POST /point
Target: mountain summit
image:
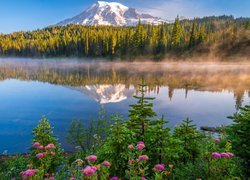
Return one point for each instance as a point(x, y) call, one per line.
point(111, 13)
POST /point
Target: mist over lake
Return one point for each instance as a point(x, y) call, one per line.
point(66, 90)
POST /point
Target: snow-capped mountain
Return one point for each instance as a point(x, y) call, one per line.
point(111, 13)
point(107, 93)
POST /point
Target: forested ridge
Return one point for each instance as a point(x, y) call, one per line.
point(224, 35)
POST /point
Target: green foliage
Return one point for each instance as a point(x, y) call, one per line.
point(158, 138)
point(115, 148)
point(12, 166)
point(239, 134)
point(190, 139)
point(91, 137)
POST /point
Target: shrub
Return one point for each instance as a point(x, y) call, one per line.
point(46, 153)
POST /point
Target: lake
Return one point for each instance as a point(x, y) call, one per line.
point(72, 89)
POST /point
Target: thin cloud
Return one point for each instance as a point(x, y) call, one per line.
point(169, 9)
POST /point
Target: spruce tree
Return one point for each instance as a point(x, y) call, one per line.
point(193, 35)
point(141, 112)
point(162, 41)
point(189, 136)
point(176, 34)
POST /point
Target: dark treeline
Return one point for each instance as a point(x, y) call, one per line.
point(224, 33)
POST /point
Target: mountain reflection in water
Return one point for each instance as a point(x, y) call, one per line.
point(111, 82)
point(66, 90)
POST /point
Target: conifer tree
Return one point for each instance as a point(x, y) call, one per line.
point(193, 35)
point(202, 34)
point(189, 137)
point(157, 137)
point(176, 34)
point(162, 41)
point(141, 112)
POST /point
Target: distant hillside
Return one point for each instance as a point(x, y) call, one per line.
point(221, 36)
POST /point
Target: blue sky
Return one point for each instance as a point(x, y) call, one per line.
point(16, 15)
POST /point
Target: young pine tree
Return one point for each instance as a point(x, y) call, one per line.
point(141, 112)
point(157, 138)
point(189, 137)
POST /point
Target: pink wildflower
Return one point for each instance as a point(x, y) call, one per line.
point(224, 155)
point(41, 147)
point(130, 146)
point(52, 153)
point(89, 170)
point(36, 144)
point(140, 145)
point(39, 155)
point(230, 155)
point(160, 167)
point(216, 155)
point(143, 178)
point(29, 172)
point(143, 158)
point(217, 140)
point(91, 158)
point(114, 178)
point(106, 163)
point(50, 146)
point(72, 178)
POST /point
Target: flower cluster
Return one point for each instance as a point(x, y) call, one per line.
point(92, 170)
point(91, 158)
point(130, 146)
point(143, 158)
point(28, 173)
point(41, 155)
point(89, 170)
point(140, 145)
point(36, 145)
point(50, 146)
point(106, 164)
point(217, 155)
point(159, 167)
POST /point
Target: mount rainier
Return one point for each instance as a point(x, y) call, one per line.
point(113, 14)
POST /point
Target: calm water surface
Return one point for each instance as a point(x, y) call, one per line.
point(66, 90)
